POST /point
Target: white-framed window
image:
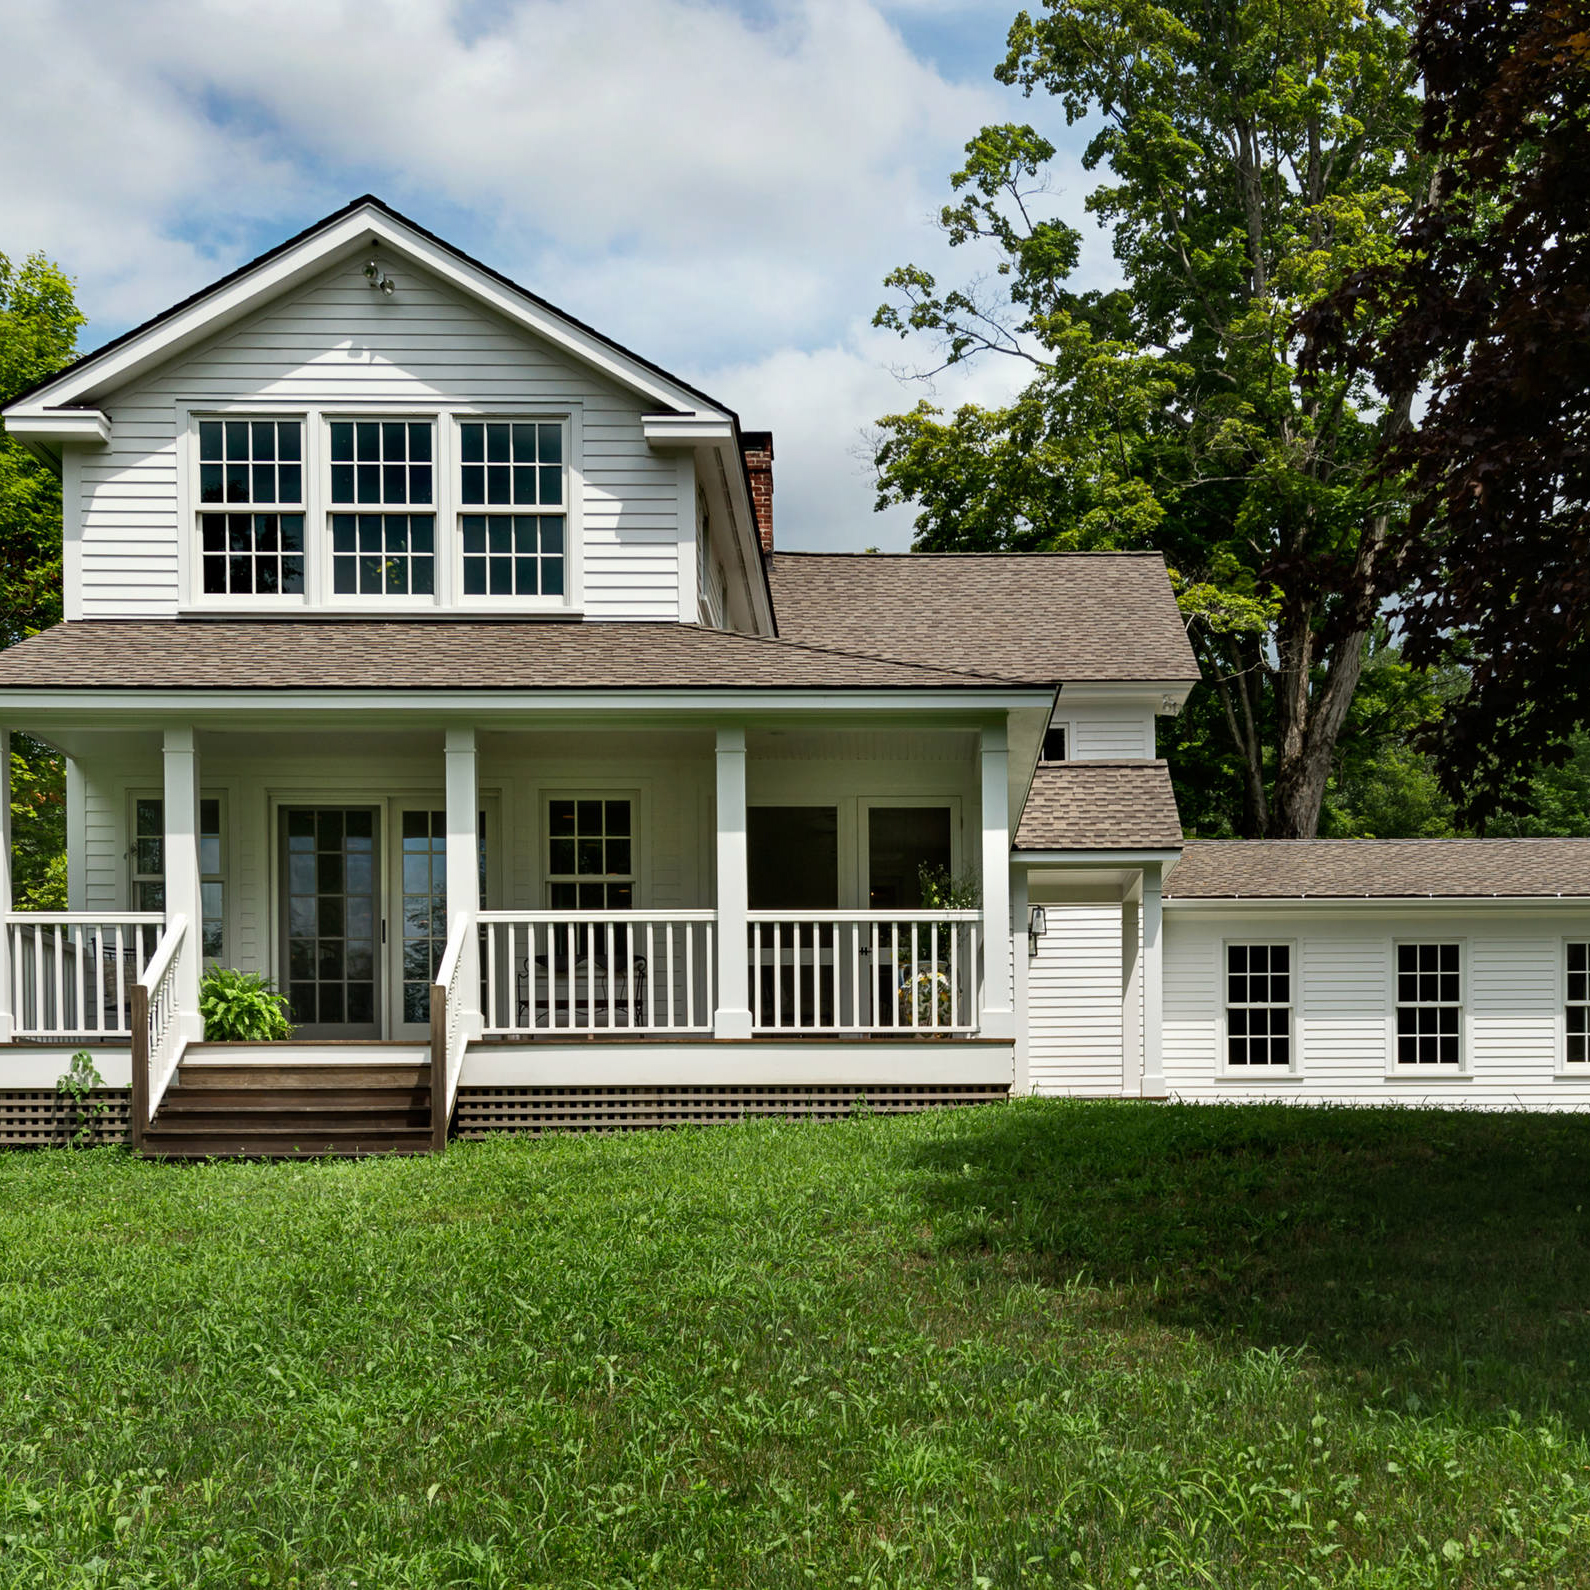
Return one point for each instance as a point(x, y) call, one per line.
point(1429, 1011)
point(1259, 1006)
point(148, 856)
point(1576, 1004)
point(251, 506)
point(1056, 742)
point(591, 851)
point(381, 515)
point(513, 531)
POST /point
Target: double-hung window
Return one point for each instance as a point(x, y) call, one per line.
point(383, 508)
point(251, 507)
point(513, 519)
point(149, 866)
point(1429, 1005)
point(590, 854)
point(1576, 1005)
point(1258, 1007)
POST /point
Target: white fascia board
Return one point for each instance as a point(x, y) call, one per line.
point(100, 708)
point(1168, 695)
point(348, 236)
point(1333, 903)
point(1166, 859)
point(61, 427)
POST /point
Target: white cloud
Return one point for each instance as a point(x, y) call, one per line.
point(721, 192)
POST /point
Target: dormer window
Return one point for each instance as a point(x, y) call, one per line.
point(383, 468)
point(251, 507)
point(513, 524)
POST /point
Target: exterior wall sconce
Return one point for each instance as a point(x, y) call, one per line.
point(1037, 926)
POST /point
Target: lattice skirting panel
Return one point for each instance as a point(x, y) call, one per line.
point(41, 1118)
point(626, 1109)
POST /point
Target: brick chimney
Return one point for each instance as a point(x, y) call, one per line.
point(757, 448)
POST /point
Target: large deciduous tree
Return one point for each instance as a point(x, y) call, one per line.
point(1491, 292)
point(39, 321)
point(1251, 157)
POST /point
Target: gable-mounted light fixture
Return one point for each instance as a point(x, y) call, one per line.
point(378, 279)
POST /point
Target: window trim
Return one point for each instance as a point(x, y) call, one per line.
point(1293, 1069)
point(226, 876)
point(1069, 728)
point(1395, 1069)
point(1578, 1070)
point(315, 418)
point(638, 853)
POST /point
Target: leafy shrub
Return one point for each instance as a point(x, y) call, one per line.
point(77, 1086)
point(941, 892)
point(241, 1007)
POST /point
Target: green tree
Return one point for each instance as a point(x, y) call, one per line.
point(39, 322)
point(1252, 156)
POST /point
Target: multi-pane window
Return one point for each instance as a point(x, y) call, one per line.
point(511, 488)
point(1577, 1004)
point(149, 866)
point(251, 499)
point(1429, 1004)
point(384, 470)
point(590, 854)
point(1258, 1005)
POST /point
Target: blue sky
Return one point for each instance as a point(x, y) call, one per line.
point(719, 186)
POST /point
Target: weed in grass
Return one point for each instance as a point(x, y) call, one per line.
point(1041, 1344)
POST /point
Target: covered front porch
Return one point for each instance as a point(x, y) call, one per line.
point(533, 905)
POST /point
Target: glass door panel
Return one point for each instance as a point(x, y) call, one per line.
point(423, 939)
point(331, 916)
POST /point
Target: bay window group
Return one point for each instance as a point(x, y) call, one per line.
point(374, 511)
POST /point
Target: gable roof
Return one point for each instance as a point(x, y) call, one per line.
point(440, 654)
point(334, 233)
point(1044, 617)
point(1278, 869)
point(1124, 805)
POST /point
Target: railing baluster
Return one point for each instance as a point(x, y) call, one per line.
point(690, 978)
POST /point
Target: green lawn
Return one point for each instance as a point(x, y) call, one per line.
point(1045, 1343)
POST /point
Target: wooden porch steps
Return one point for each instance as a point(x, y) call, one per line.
point(295, 1101)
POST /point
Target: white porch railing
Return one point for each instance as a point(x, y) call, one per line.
point(865, 971)
point(450, 1025)
point(157, 1041)
point(598, 971)
point(72, 972)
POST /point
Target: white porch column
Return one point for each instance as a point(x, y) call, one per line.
point(1132, 991)
point(999, 1019)
point(1021, 1081)
point(7, 1015)
point(1153, 987)
point(183, 894)
point(732, 1018)
point(463, 863)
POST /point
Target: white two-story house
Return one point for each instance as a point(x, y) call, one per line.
point(428, 652)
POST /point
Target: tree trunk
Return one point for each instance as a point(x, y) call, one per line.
point(1304, 763)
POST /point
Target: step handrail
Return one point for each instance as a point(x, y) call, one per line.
point(449, 1030)
point(157, 1036)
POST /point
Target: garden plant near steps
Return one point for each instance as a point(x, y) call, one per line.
point(241, 1007)
point(78, 1089)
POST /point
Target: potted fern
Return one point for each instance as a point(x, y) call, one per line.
point(241, 1007)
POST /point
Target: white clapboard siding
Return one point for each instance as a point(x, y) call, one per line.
point(1074, 1001)
point(1119, 737)
point(334, 340)
point(1344, 1004)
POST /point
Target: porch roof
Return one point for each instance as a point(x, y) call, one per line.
point(1038, 618)
point(1100, 806)
point(1381, 869)
point(443, 654)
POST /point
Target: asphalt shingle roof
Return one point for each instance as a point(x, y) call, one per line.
point(358, 654)
point(1042, 618)
point(1100, 806)
point(1380, 868)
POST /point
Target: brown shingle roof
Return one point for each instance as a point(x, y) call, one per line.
point(356, 654)
point(1380, 868)
point(1100, 806)
point(1041, 618)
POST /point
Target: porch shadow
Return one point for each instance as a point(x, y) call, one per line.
point(1423, 1257)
